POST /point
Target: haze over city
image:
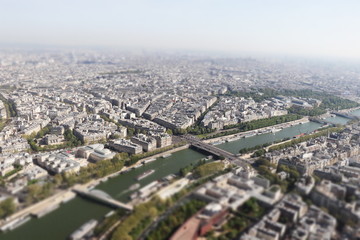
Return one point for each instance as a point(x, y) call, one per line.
point(179, 120)
point(324, 28)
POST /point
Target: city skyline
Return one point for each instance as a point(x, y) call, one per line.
point(187, 120)
point(306, 28)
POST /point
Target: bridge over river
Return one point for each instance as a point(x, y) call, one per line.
point(197, 143)
point(346, 115)
point(101, 197)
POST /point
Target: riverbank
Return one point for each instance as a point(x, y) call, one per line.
point(63, 196)
point(349, 110)
point(95, 182)
point(115, 186)
point(59, 197)
point(318, 133)
point(39, 209)
point(237, 136)
point(46, 204)
point(328, 114)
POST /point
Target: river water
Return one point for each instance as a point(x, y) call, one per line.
point(59, 224)
point(118, 186)
point(249, 142)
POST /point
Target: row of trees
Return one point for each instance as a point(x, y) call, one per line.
point(196, 128)
point(202, 169)
point(264, 167)
point(252, 208)
point(208, 169)
point(9, 106)
point(135, 225)
point(136, 157)
point(16, 169)
point(221, 134)
point(265, 122)
point(307, 112)
point(259, 149)
point(70, 138)
point(305, 138)
point(92, 171)
point(7, 207)
point(3, 123)
point(131, 227)
point(231, 229)
point(251, 149)
point(185, 170)
point(252, 125)
point(39, 191)
point(328, 101)
point(108, 222)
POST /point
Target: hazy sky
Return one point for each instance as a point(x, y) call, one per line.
point(304, 27)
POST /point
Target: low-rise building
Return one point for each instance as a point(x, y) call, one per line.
point(332, 196)
point(232, 189)
point(162, 139)
point(5, 169)
point(33, 172)
point(52, 139)
point(316, 224)
point(122, 145)
point(147, 143)
point(272, 225)
point(201, 223)
point(58, 162)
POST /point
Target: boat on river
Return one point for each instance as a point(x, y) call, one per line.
point(275, 130)
point(84, 230)
point(145, 174)
point(300, 135)
point(15, 223)
point(134, 187)
point(250, 135)
point(137, 166)
point(149, 160)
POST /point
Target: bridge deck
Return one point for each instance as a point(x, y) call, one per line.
point(197, 143)
point(321, 121)
point(345, 115)
point(105, 199)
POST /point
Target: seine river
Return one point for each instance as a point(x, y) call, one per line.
point(59, 224)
